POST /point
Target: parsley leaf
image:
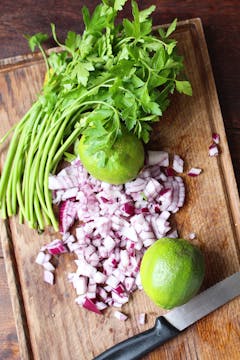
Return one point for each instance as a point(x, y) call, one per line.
point(171, 28)
point(36, 40)
point(184, 87)
point(73, 41)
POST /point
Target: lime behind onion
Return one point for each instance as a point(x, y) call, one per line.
point(124, 159)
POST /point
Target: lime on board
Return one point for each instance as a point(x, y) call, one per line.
point(123, 161)
point(172, 271)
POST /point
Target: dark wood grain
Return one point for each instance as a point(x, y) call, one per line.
point(221, 26)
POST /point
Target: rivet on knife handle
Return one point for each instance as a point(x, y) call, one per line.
point(139, 345)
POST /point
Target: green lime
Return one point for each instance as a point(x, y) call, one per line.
point(172, 271)
point(124, 159)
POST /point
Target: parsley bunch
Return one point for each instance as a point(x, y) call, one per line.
point(111, 75)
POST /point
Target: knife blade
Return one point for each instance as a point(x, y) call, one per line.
point(171, 324)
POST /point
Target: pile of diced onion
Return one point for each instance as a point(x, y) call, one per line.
point(113, 226)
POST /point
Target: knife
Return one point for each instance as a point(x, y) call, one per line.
point(175, 321)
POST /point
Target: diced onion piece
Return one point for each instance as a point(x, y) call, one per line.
point(158, 157)
point(192, 236)
point(109, 243)
point(120, 299)
point(40, 259)
point(48, 277)
point(70, 193)
point(120, 316)
point(90, 305)
point(85, 269)
point(216, 138)
point(129, 283)
point(129, 209)
point(213, 150)
point(112, 281)
point(67, 215)
point(170, 171)
point(178, 164)
point(194, 172)
point(99, 277)
point(56, 247)
point(101, 305)
point(138, 281)
point(103, 294)
point(173, 234)
point(81, 285)
point(130, 233)
point(48, 266)
point(142, 318)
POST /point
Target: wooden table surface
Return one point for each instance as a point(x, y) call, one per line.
point(222, 27)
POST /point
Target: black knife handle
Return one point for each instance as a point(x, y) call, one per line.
point(139, 345)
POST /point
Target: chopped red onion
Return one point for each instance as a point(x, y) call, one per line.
point(48, 266)
point(112, 281)
point(85, 269)
point(102, 293)
point(173, 234)
point(40, 259)
point(99, 277)
point(194, 172)
point(119, 298)
point(120, 316)
point(101, 305)
point(216, 138)
point(90, 305)
point(48, 277)
point(178, 164)
point(141, 319)
point(158, 157)
point(70, 193)
point(67, 215)
point(129, 283)
point(109, 243)
point(117, 224)
point(81, 285)
point(192, 236)
point(213, 150)
point(48, 257)
point(128, 209)
point(170, 171)
point(56, 247)
point(152, 189)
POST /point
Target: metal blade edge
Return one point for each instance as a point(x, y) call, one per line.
point(209, 300)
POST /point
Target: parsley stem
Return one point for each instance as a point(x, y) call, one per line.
point(67, 143)
point(38, 213)
point(95, 102)
point(4, 138)
point(3, 209)
point(125, 40)
point(20, 200)
point(30, 178)
point(44, 56)
point(154, 39)
point(47, 169)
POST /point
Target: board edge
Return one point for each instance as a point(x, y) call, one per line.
point(17, 302)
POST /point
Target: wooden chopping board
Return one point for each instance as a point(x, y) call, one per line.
point(50, 325)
